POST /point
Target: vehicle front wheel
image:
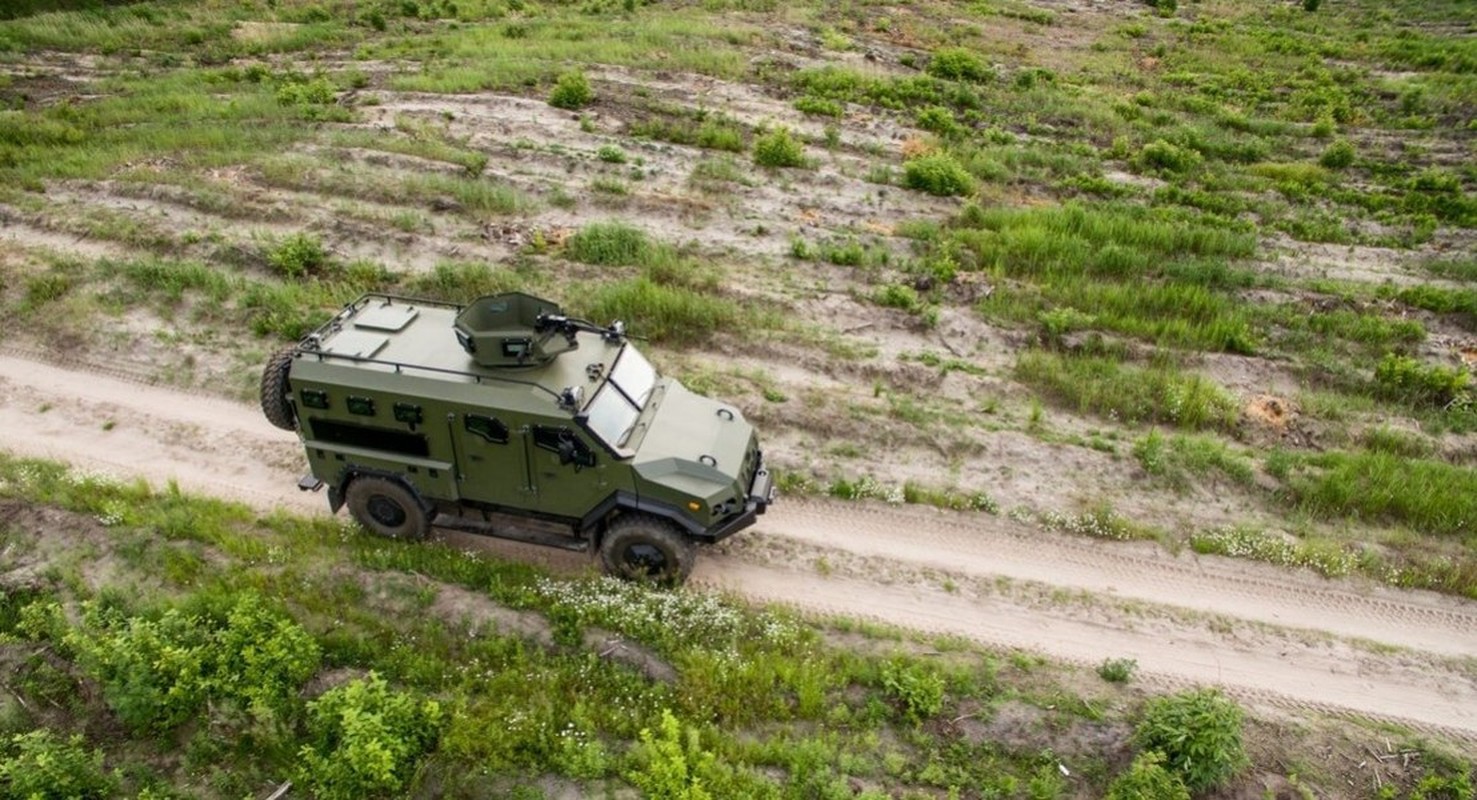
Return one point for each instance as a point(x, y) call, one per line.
point(641, 547)
point(387, 508)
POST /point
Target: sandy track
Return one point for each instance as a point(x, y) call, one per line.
point(1274, 638)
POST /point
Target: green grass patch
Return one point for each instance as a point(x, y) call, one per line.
point(1130, 394)
point(1432, 497)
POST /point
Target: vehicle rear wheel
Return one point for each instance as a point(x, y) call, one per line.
point(641, 547)
point(275, 405)
point(387, 508)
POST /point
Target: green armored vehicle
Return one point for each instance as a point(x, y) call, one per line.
point(416, 412)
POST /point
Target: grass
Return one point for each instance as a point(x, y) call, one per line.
point(757, 702)
point(1127, 393)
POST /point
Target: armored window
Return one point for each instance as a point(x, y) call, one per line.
point(354, 435)
point(314, 398)
point(489, 428)
point(363, 406)
point(571, 449)
point(408, 413)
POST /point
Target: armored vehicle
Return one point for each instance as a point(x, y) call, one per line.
point(416, 412)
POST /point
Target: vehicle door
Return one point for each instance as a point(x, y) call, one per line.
point(569, 475)
point(493, 459)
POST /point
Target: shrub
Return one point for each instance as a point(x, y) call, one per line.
point(609, 244)
point(672, 762)
point(572, 91)
point(1338, 155)
point(917, 692)
point(611, 154)
point(1406, 379)
point(1117, 670)
point(298, 255)
point(366, 740)
point(958, 64)
point(157, 673)
point(897, 295)
point(939, 120)
point(819, 106)
point(1147, 779)
point(1161, 156)
point(39, 766)
point(778, 148)
point(661, 312)
point(937, 174)
point(1199, 734)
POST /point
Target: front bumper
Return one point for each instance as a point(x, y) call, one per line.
point(761, 496)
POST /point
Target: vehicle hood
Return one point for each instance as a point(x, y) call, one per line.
point(695, 444)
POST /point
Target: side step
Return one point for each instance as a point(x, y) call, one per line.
point(544, 538)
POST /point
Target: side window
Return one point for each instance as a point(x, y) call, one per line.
point(571, 449)
point(489, 428)
point(363, 406)
point(314, 398)
point(409, 413)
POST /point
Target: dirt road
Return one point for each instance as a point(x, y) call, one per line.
point(1275, 639)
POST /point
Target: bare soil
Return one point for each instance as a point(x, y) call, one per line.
point(1283, 642)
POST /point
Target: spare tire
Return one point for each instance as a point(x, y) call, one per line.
point(275, 391)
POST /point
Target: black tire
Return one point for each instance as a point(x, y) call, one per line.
point(388, 508)
point(275, 405)
point(641, 547)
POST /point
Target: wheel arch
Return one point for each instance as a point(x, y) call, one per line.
point(337, 491)
point(595, 523)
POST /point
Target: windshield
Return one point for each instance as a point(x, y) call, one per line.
point(634, 375)
point(610, 415)
point(613, 411)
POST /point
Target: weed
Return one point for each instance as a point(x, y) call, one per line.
point(298, 255)
point(611, 244)
point(1338, 155)
point(959, 64)
point(366, 739)
point(572, 91)
point(938, 174)
point(1408, 380)
point(39, 765)
point(611, 154)
point(1164, 158)
point(1117, 670)
point(1147, 777)
point(1199, 733)
point(1131, 394)
point(778, 148)
point(918, 693)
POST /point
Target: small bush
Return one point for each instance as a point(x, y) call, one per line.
point(958, 64)
point(897, 295)
point(1199, 734)
point(298, 255)
point(1338, 155)
point(609, 244)
point(918, 693)
point(611, 154)
point(672, 762)
point(939, 120)
point(819, 106)
point(366, 740)
point(1406, 379)
point(39, 766)
point(1117, 670)
point(663, 313)
point(1162, 157)
point(778, 148)
point(938, 174)
point(572, 91)
point(1147, 779)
